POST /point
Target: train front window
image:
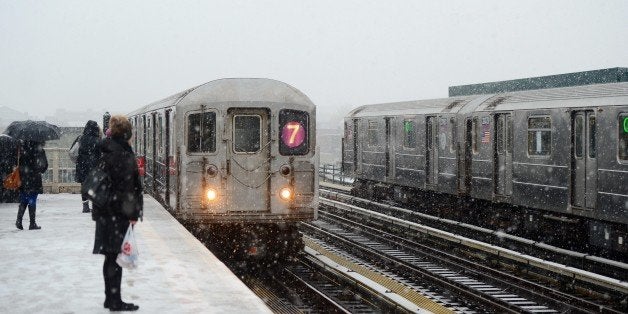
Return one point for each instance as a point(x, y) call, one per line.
point(539, 136)
point(247, 130)
point(623, 137)
point(202, 132)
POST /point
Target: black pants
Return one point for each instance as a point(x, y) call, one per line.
point(112, 272)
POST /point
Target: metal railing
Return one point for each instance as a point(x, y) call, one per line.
point(333, 173)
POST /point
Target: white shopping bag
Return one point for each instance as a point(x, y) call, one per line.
point(127, 258)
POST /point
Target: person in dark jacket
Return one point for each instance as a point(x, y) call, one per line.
point(8, 160)
point(124, 208)
point(88, 156)
point(33, 163)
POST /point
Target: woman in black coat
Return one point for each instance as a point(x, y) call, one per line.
point(33, 163)
point(124, 208)
point(88, 155)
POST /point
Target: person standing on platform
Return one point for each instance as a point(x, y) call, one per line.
point(88, 156)
point(123, 210)
point(33, 163)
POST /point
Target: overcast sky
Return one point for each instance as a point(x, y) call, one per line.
point(120, 55)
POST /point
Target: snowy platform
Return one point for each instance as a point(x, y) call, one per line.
point(53, 270)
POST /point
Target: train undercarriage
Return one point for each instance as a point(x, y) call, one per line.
point(561, 230)
point(262, 243)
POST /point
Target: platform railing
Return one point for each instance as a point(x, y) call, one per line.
point(333, 173)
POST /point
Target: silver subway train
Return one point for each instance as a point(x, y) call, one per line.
point(237, 156)
point(560, 151)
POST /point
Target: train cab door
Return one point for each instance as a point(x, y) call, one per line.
point(248, 159)
point(431, 150)
point(583, 159)
point(503, 154)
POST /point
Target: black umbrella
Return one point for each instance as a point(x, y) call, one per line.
point(36, 131)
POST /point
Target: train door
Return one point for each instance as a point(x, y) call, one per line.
point(468, 155)
point(502, 154)
point(249, 159)
point(390, 148)
point(171, 167)
point(356, 141)
point(431, 150)
point(160, 157)
point(583, 159)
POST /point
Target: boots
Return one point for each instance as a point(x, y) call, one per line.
point(31, 214)
point(86, 207)
point(20, 214)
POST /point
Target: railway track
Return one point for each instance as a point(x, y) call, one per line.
point(309, 286)
point(522, 283)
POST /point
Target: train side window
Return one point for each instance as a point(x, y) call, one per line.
point(539, 136)
point(160, 136)
point(409, 134)
point(578, 145)
point(623, 137)
point(499, 134)
point(247, 133)
point(372, 133)
point(592, 135)
point(509, 134)
point(202, 132)
point(452, 134)
point(475, 136)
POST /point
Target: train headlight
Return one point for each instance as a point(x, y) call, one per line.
point(286, 194)
point(211, 194)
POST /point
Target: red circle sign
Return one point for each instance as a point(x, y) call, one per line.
point(293, 134)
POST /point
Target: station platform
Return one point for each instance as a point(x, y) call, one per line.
point(53, 270)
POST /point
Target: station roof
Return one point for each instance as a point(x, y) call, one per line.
point(611, 75)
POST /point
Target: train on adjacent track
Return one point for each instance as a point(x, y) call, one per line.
point(234, 157)
point(558, 153)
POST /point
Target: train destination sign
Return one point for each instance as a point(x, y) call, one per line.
point(625, 124)
point(293, 134)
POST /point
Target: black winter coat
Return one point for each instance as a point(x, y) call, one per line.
point(33, 163)
point(8, 155)
point(127, 198)
point(89, 150)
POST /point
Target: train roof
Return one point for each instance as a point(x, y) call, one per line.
point(440, 105)
point(233, 90)
point(578, 96)
point(612, 75)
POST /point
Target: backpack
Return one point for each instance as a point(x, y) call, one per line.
point(97, 187)
point(74, 149)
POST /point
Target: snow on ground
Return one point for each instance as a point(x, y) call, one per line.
point(53, 270)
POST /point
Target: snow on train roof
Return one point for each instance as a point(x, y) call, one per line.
point(234, 90)
point(439, 105)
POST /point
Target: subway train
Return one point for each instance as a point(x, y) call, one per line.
point(236, 158)
point(558, 155)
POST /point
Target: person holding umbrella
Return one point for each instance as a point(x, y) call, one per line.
point(33, 162)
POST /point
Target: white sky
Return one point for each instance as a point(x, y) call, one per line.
point(119, 55)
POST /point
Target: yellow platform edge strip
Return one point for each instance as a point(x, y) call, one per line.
point(401, 289)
